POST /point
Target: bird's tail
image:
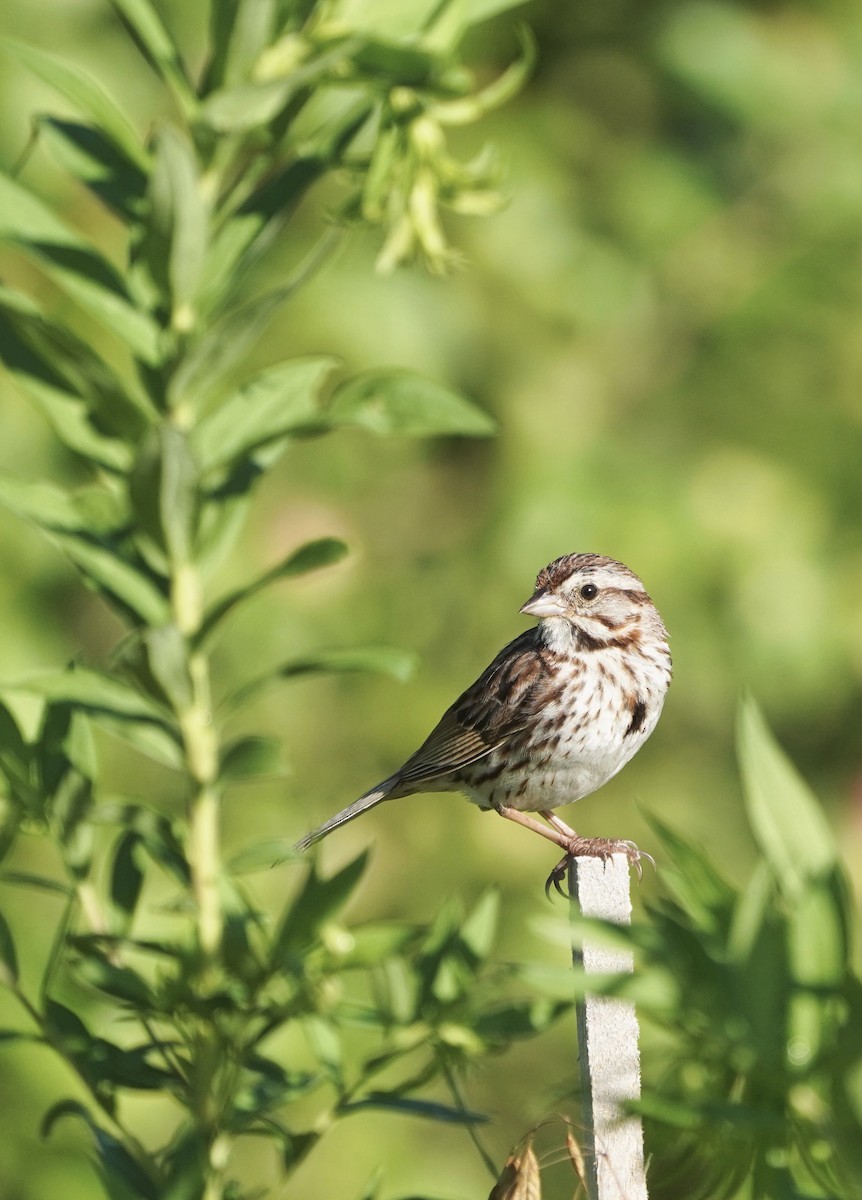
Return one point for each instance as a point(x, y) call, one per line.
point(369, 800)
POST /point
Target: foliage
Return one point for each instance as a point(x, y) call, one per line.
point(190, 984)
point(756, 1090)
point(749, 999)
point(660, 320)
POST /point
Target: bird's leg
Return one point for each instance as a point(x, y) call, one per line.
point(574, 845)
point(553, 819)
point(555, 835)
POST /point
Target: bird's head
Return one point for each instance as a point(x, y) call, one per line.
point(590, 600)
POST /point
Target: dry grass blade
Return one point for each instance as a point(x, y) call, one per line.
point(519, 1179)
point(576, 1158)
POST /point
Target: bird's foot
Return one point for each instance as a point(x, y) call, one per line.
point(603, 848)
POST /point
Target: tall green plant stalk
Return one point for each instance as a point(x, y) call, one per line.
point(175, 433)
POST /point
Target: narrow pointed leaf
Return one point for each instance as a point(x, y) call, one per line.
point(89, 691)
point(478, 929)
point(317, 902)
point(310, 557)
point(251, 758)
point(381, 660)
point(204, 368)
point(90, 156)
point(100, 562)
point(158, 48)
point(122, 1176)
point(263, 856)
point(42, 503)
point(120, 582)
point(281, 400)
point(405, 403)
point(8, 957)
point(247, 105)
point(178, 495)
point(53, 355)
point(75, 266)
point(788, 823)
point(86, 94)
point(68, 414)
point(429, 1109)
point(155, 741)
point(167, 656)
point(177, 242)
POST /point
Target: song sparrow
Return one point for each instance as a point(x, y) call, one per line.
point(557, 713)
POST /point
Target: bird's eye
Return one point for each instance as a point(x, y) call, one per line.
point(589, 591)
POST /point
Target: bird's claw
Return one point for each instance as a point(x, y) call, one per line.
point(603, 848)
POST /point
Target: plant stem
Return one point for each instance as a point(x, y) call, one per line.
point(200, 741)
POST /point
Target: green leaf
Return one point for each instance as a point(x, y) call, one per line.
point(279, 401)
point(316, 903)
point(89, 691)
point(15, 756)
point(382, 660)
point(67, 1029)
point(127, 880)
point(245, 237)
point(25, 879)
point(156, 834)
point(404, 403)
point(689, 874)
point(819, 933)
point(185, 1169)
point(116, 579)
point(164, 493)
point(8, 957)
point(122, 1176)
point(324, 1042)
point(478, 929)
point(68, 414)
point(429, 1109)
point(294, 1146)
point(121, 983)
point(51, 353)
point(249, 105)
point(177, 238)
point(86, 95)
point(203, 372)
point(374, 942)
point(159, 49)
point(321, 553)
point(263, 856)
point(68, 520)
point(520, 1019)
point(167, 656)
point(251, 758)
point(789, 825)
point(90, 156)
point(238, 34)
point(159, 743)
point(76, 267)
point(42, 503)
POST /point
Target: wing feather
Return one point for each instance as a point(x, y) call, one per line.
point(501, 703)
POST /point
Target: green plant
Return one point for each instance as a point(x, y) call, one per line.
point(163, 976)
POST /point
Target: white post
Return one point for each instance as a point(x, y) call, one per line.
point(608, 1042)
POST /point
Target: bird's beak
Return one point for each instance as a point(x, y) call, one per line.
point(544, 604)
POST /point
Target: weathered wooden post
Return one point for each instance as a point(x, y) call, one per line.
point(608, 1041)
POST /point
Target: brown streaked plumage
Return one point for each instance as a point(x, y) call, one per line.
point(557, 713)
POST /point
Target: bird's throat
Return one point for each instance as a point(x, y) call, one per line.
point(558, 634)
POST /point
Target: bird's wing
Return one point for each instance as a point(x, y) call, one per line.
point(501, 702)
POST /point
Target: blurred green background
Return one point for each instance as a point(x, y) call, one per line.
point(662, 320)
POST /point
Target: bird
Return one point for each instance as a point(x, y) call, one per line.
point(560, 710)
